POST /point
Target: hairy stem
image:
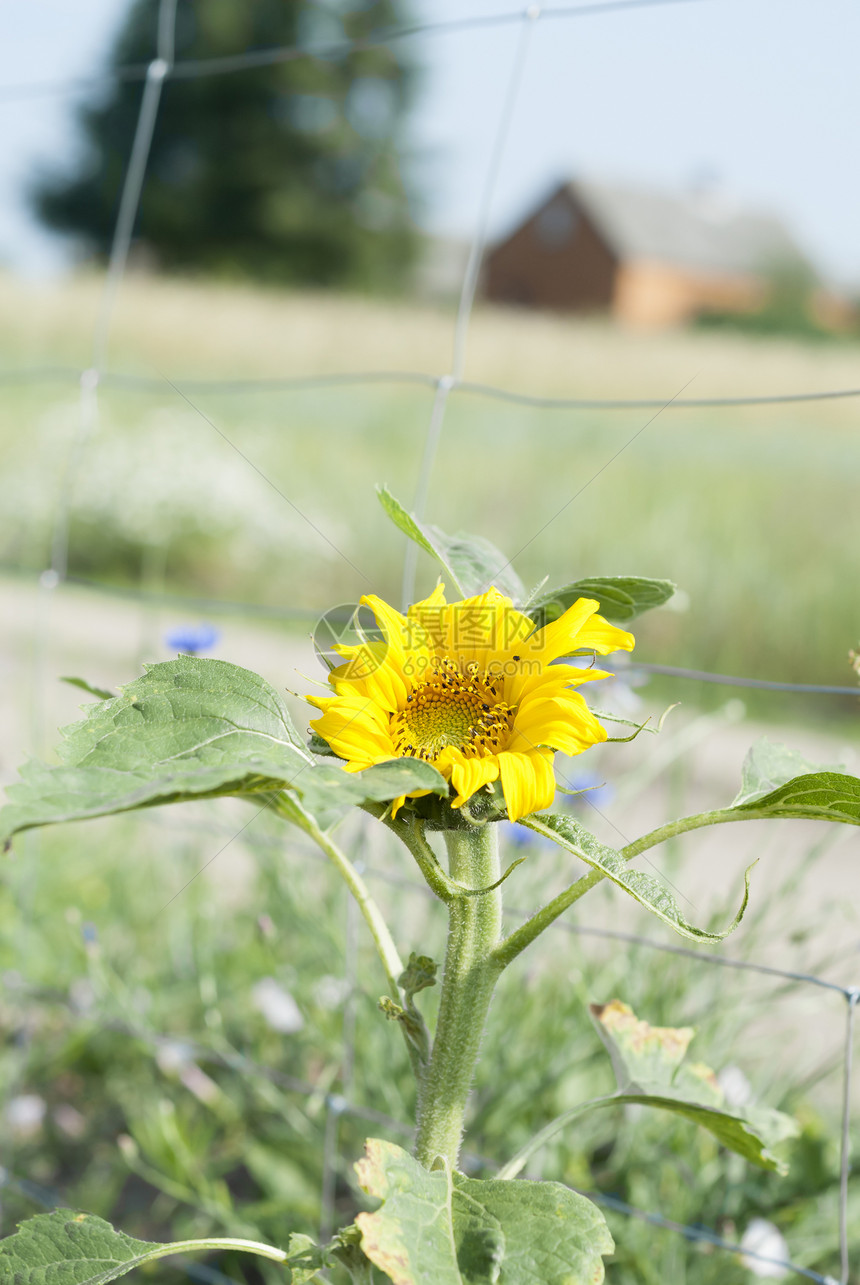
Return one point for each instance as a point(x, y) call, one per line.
point(410, 832)
point(470, 975)
point(218, 1242)
point(695, 822)
point(523, 936)
point(516, 942)
point(290, 808)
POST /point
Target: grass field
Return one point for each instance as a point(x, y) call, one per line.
point(752, 511)
point(145, 1083)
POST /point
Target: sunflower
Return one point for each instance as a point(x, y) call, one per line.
point(470, 687)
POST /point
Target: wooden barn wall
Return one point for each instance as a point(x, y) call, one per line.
point(577, 275)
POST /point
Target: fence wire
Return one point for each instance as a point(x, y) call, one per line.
point(154, 74)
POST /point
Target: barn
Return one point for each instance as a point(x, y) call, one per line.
point(646, 258)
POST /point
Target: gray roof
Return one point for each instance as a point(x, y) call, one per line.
point(698, 230)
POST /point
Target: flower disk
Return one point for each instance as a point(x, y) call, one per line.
point(470, 687)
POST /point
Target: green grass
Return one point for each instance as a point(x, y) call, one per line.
point(108, 982)
point(751, 511)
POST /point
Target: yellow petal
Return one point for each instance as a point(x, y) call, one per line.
point(436, 599)
point(354, 735)
point(579, 628)
point(484, 628)
point(468, 775)
point(548, 680)
point(528, 783)
point(395, 627)
point(564, 723)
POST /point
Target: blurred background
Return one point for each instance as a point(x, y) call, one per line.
point(668, 208)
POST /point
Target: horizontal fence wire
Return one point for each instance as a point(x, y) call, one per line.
point(192, 69)
point(346, 379)
point(154, 74)
point(309, 615)
point(704, 1236)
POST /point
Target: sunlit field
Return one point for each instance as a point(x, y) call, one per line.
point(752, 511)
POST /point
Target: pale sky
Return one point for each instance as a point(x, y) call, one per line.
point(762, 94)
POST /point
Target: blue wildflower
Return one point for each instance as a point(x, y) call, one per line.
point(191, 639)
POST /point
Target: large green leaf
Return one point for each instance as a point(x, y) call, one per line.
point(443, 1228)
point(768, 766)
point(328, 790)
point(65, 1248)
point(778, 781)
point(471, 561)
point(192, 728)
point(621, 598)
point(644, 888)
point(818, 796)
point(552, 1235)
point(651, 1070)
point(771, 788)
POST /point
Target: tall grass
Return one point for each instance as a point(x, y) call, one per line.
point(750, 510)
point(170, 1105)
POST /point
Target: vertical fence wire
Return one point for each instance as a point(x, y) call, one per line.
point(851, 997)
point(87, 420)
point(467, 292)
point(129, 204)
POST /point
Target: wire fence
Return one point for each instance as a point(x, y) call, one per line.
point(153, 75)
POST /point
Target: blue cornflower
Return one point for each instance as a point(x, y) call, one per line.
point(192, 639)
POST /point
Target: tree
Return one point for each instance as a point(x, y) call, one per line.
point(286, 172)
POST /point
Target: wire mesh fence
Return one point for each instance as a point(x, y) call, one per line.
point(444, 385)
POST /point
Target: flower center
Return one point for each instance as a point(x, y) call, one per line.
point(453, 708)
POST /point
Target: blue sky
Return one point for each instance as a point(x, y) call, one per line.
point(763, 95)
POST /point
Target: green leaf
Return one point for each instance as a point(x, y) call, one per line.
point(621, 598)
point(552, 1235)
point(644, 888)
point(307, 1259)
point(192, 728)
point(411, 1237)
point(780, 782)
point(319, 745)
point(103, 693)
point(651, 1070)
point(819, 796)
point(327, 790)
point(65, 1248)
point(771, 789)
point(769, 766)
point(473, 563)
point(441, 1227)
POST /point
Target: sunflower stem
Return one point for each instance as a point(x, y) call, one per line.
point(289, 807)
point(468, 981)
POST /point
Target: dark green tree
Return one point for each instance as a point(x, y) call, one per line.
point(287, 172)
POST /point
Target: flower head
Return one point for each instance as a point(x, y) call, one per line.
point(470, 687)
point(192, 639)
